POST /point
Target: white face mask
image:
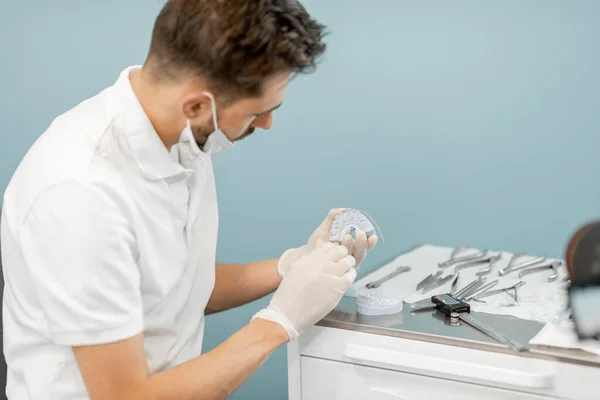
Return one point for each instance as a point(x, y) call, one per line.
point(217, 140)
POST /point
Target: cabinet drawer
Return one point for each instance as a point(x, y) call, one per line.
point(480, 368)
point(332, 380)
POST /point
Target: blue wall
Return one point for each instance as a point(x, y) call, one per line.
point(449, 122)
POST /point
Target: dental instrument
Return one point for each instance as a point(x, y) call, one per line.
point(428, 279)
point(454, 284)
point(514, 266)
point(470, 287)
point(456, 258)
point(437, 283)
point(457, 309)
point(502, 290)
point(553, 266)
point(490, 259)
point(482, 289)
point(396, 272)
point(486, 270)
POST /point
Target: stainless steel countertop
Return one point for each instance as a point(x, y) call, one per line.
point(433, 326)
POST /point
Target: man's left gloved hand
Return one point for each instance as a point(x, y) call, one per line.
point(357, 248)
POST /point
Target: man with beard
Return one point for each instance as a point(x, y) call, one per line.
point(109, 226)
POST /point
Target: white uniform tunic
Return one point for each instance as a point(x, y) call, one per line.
point(105, 235)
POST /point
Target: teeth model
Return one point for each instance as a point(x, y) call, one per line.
point(370, 304)
point(347, 222)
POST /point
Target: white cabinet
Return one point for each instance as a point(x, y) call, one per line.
point(324, 379)
point(330, 364)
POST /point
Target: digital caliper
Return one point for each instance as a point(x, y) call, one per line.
point(457, 309)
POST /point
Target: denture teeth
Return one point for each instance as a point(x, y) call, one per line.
point(347, 222)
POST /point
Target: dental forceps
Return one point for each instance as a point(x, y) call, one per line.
point(553, 266)
point(490, 259)
point(514, 266)
point(498, 291)
point(456, 258)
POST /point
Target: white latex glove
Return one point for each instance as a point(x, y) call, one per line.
point(358, 247)
point(311, 289)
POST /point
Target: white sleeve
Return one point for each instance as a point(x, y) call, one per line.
point(79, 248)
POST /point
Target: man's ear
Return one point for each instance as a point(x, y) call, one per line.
point(196, 105)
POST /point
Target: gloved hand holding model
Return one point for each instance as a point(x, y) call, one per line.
point(358, 247)
point(312, 287)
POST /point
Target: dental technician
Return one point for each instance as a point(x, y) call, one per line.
point(109, 225)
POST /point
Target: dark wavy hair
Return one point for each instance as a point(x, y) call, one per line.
point(235, 45)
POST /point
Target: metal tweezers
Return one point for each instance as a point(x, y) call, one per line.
point(436, 283)
point(470, 288)
point(428, 279)
point(481, 289)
